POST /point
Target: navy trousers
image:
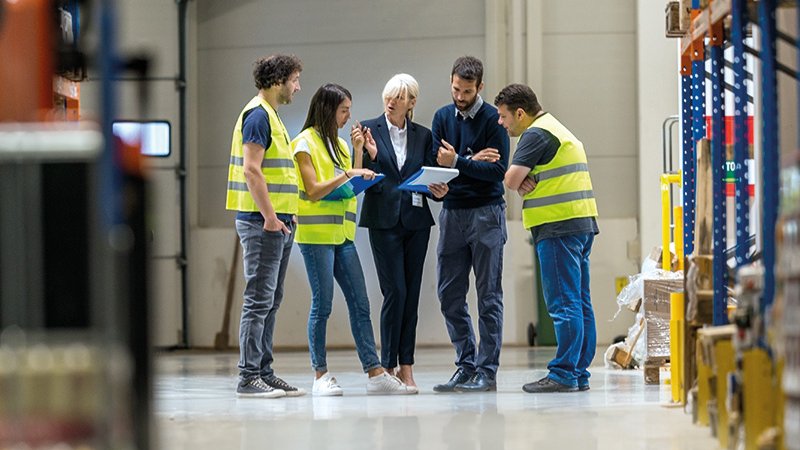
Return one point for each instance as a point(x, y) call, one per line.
point(473, 239)
point(399, 259)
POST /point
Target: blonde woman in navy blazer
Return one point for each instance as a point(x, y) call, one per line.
point(399, 221)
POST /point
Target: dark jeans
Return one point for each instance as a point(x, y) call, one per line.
point(565, 283)
point(266, 257)
point(399, 256)
point(473, 239)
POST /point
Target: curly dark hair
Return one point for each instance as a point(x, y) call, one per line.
point(275, 69)
point(516, 96)
point(468, 68)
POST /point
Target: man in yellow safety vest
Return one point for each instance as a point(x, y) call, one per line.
point(262, 188)
point(550, 171)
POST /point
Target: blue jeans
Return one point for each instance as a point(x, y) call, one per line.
point(323, 264)
point(473, 239)
point(565, 283)
point(266, 257)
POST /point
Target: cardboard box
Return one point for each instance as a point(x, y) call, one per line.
point(656, 306)
point(673, 20)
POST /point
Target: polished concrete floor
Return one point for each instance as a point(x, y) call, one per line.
point(196, 408)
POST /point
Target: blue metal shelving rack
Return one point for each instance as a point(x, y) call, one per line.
point(707, 23)
point(769, 145)
point(740, 138)
point(720, 271)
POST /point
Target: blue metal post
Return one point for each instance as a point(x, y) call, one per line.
point(698, 126)
point(109, 172)
point(741, 143)
point(769, 147)
point(698, 100)
point(688, 173)
point(720, 301)
point(698, 132)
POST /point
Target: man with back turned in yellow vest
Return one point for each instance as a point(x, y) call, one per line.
point(262, 188)
point(549, 170)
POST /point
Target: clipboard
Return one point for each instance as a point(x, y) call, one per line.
point(353, 187)
point(428, 175)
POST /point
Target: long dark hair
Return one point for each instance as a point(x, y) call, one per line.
point(322, 116)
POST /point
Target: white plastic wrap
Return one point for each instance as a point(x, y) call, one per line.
point(630, 295)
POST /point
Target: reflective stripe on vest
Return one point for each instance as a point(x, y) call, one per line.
point(319, 220)
point(267, 163)
point(323, 221)
point(272, 187)
point(552, 173)
point(277, 166)
point(564, 187)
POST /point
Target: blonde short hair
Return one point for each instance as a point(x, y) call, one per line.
point(402, 85)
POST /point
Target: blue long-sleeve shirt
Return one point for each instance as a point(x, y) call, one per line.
point(479, 183)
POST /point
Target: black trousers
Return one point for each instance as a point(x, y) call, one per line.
point(399, 256)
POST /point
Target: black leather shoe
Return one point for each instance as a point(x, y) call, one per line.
point(548, 385)
point(460, 376)
point(479, 382)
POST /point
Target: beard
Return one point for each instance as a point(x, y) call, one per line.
point(466, 106)
point(285, 98)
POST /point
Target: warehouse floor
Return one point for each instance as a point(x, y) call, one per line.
point(196, 408)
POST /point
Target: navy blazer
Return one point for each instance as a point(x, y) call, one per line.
point(384, 205)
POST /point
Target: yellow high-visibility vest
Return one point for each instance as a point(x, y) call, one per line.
point(278, 168)
point(564, 188)
point(324, 221)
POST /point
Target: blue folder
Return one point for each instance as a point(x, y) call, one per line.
point(353, 187)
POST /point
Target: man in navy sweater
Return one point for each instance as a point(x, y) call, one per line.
point(472, 226)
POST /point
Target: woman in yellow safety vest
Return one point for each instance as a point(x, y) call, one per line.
point(325, 233)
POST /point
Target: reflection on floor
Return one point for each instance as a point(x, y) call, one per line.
point(196, 408)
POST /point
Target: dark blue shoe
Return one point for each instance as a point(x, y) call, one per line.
point(583, 387)
point(480, 382)
point(546, 385)
point(459, 377)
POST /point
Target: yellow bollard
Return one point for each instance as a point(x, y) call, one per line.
point(666, 204)
point(678, 235)
point(759, 396)
point(676, 308)
point(703, 385)
point(724, 364)
point(666, 260)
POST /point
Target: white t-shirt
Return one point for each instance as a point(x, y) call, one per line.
point(302, 147)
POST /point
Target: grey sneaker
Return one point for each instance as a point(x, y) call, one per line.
point(277, 383)
point(256, 387)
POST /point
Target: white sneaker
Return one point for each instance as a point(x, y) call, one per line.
point(326, 386)
point(385, 384)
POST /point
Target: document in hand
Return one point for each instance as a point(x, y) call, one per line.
point(428, 175)
point(352, 187)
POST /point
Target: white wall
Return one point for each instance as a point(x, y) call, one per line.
point(658, 97)
point(584, 56)
point(357, 44)
point(149, 27)
point(360, 45)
